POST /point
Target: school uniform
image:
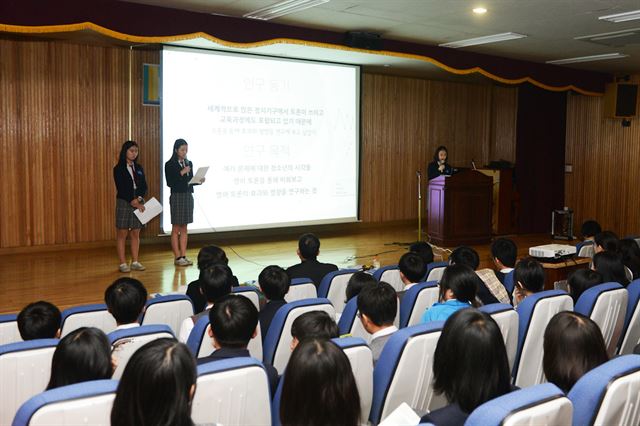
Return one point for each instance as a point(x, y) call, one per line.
point(442, 310)
point(130, 184)
point(181, 198)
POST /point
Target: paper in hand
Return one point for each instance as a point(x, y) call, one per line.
point(199, 176)
point(152, 208)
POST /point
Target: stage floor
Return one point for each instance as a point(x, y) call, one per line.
point(74, 277)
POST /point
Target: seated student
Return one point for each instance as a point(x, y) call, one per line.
point(606, 241)
point(378, 305)
point(215, 283)
point(412, 270)
point(582, 280)
point(609, 265)
point(424, 250)
point(470, 366)
point(458, 289)
point(274, 284)
point(157, 386)
point(357, 282)
point(313, 325)
point(319, 387)
point(82, 355)
point(589, 230)
point(208, 256)
point(491, 290)
point(573, 345)
point(630, 252)
point(234, 322)
point(504, 253)
point(309, 267)
point(39, 320)
point(528, 278)
point(125, 300)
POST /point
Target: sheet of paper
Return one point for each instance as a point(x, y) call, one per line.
point(403, 415)
point(199, 176)
point(152, 208)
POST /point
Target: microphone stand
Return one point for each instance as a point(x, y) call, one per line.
point(419, 176)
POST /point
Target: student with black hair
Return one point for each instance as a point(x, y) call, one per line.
point(412, 269)
point(81, 356)
point(573, 345)
point(313, 325)
point(309, 267)
point(215, 283)
point(274, 284)
point(470, 366)
point(233, 323)
point(39, 320)
point(458, 289)
point(157, 386)
point(377, 307)
point(582, 280)
point(491, 289)
point(504, 253)
point(528, 278)
point(319, 387)
point(357, 282)
point(178, 172)
point(207, 256)
point(609, 265)
point(588, 231)
point(424, 250)
point(131, 187)
point(630, 252)
point(606, 241)
point(439, 166)
point(125, 300)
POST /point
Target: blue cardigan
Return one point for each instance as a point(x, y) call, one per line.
point(442, 311)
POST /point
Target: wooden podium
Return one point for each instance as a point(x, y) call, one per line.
point(459, 209)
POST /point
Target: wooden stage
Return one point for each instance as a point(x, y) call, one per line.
point(73, 277)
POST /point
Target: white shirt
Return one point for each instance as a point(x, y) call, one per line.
point(389, 330)
point(506, 270)
point(408, 286)
point(187, 326)
point(131, 172)
point(126, 326)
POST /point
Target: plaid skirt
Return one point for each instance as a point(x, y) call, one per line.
point(181, 204)
point(125, 219)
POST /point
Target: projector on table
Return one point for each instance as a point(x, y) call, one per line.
point(552, 252)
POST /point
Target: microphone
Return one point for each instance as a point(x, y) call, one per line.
point(418, 174)
point(473, 164)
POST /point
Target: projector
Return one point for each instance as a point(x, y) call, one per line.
point(552, 251)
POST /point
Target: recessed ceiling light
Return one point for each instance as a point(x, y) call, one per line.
point(603, 57)
point(621, 17)
point(494, 38)
point(479, 10)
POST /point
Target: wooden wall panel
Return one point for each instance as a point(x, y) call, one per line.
point(606, 167)
point(64, 116)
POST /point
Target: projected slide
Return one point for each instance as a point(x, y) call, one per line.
point(280, 137)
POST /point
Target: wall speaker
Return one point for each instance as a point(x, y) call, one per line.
point(620, 100)
point(363, 40)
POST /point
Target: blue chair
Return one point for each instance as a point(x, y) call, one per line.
point(609, 394)
point(300, 289)
point(275, 403)
point(250, 292)
point(361, 361)
point(277, 344)
point(390, 274)
point(606, 305)
point(585, 248)
point(404, 372)
point(534, 314)
point(333, 287)
point(199, 342)
point(126, 341)
point(543, 404)
point(630, 335)
point(25, 369)
point(435, 271)
point(95, 315)
point(171, 310)
point(508, 321)
point(80, 403)
point(416, 301)
point(9, 332)
point(349, 322)
point(232, 391)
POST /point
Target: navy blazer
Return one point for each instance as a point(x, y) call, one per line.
point(176, 182)
point(311, 269)
point(433, 172)
point(124, 182)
